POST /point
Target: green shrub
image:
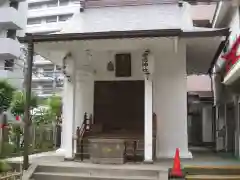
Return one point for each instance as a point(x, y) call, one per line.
point(7, 149)
point(4, 167)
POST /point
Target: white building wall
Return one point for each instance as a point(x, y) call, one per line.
point(3, 4)
point(12, 47)
point(47, 19)
point(101, 59)
point(234, 24)
point(23, 10)
point(207, 124)
point(198, 83)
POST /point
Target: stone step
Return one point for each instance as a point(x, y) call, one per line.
point(103, 170)
point(212, 170)
point(83, 176)
point(212, 177)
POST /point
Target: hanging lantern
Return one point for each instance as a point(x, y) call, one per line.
point(110, 66)
point(147, 63)
point(150, 63)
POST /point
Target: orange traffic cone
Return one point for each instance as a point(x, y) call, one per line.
point(176, 170)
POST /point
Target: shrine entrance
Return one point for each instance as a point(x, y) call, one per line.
point(119, 107)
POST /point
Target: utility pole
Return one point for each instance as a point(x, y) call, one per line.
point(27, 115)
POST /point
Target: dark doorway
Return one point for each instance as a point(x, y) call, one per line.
point(119, 106)
point(195, 129)
point(230, 127)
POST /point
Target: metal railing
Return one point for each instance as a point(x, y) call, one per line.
point(133, 147)
point(80, 133)
point(11, 176)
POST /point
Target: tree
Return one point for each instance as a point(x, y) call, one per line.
point(6, 95)
point(18, 103)
point(55, 106)
point(43, 116)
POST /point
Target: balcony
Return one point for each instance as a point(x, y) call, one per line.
point(47, 92)
point(39, 77)
point(18, 0)
point(48, 76)
point(10, 49)
point(14, 77)
point(36, 1)
point(38, 60)
point(10, 19)
point(112, 3)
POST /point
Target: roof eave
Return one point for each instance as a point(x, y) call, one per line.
point(103, 35)
point(123, 34)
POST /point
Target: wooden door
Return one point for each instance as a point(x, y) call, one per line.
point(119, 105)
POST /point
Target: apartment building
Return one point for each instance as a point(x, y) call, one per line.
point(13, 18)
point(46, 17)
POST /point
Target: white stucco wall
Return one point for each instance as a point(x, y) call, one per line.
point(84, 96)
point(170, 102)
point(101, 59)
point(169, 96)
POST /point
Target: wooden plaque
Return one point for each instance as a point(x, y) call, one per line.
point(123, 65)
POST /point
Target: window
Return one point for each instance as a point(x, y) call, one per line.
point(51, 19)
point(35, 6)
point(59, 83)
point(34, 85)
point(53, 3)
point(14, 4)
point(11, 34)
point(63, 2)
point(9, 64)
point(48, 69)
point(58, 68)
point(64, 17)
point(33, 21)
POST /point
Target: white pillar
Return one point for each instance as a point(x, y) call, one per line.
point(70, 132)
point(79, 103)
point(170, 103)
point(67, 101)
point(148, 147)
